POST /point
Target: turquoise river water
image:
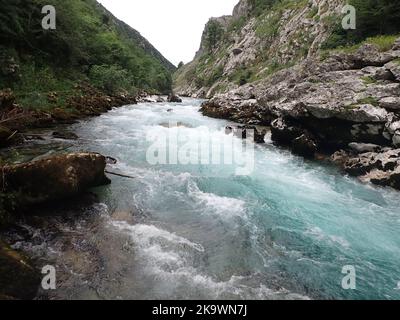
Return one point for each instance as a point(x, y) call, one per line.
point(285, 230)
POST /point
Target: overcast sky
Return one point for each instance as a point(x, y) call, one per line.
point(174, 27)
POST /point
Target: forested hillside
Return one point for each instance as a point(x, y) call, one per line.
point(265, 36)
point(89, 45)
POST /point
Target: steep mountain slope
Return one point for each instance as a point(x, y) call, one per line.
point(89, 45)
point(265, 36)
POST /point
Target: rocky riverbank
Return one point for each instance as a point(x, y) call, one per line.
point(347, 101)
point(46, 181)
point(15, 120)
point(27, 185)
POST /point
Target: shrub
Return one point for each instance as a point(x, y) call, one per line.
point(111, 79)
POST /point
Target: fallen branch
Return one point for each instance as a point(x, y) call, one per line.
point(119, 175)
point(15, 118)
point(10, 137)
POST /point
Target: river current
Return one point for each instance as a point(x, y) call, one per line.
point(286, 230)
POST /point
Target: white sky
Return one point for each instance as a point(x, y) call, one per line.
point(174, 27)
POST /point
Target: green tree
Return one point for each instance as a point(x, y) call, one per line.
point(374, 17)
point(213, 34)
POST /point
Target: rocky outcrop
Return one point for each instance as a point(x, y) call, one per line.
point(347, 101)
point(256, 44)
point(53, 178)
point(380, 167)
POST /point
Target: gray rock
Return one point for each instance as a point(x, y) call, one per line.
point(364, 147)
point(385, 179)
point(380, 168)
point(394, 68)
point(369, 55)
point(390, 103)
point(396, 45)
point(396, 139)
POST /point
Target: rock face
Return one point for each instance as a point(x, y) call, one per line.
point(250, 46)
point(381, 168)
point(348, 100)
point(54, 178)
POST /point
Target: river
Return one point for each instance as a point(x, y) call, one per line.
point(285, 230)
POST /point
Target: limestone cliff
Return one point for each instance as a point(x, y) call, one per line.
point(255, 42)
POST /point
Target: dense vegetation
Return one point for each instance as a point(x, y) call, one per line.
point(374, 17)
point(89, 44)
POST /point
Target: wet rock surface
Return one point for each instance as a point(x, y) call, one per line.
point(53, 178)
point(380, 166)
point(174, 98)
point(256, 133)
point(19, 279)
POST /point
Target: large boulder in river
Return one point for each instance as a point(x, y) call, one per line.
point(174, 98)
point(54, 178)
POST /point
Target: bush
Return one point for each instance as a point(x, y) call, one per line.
point(111, 79)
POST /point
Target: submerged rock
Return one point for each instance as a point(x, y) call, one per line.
point(65, 135)
point(54, 178)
